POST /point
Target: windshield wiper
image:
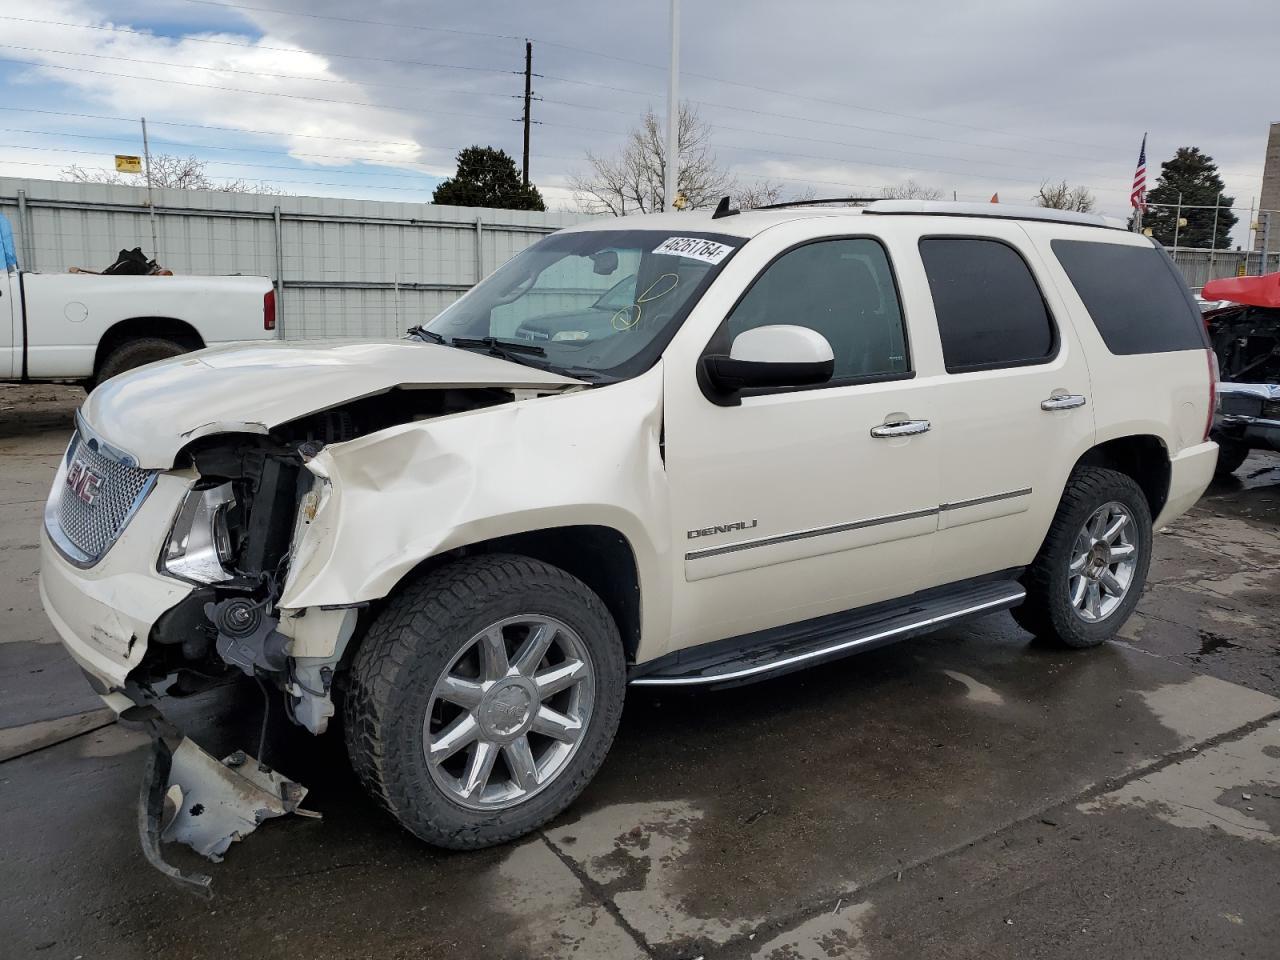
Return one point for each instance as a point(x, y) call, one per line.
point(422, 333)
point(499, 347)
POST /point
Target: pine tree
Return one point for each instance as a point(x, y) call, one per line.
point(1194, 175)
point(487, 177)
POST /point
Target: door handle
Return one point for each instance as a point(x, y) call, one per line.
point(900, 428)
point(1062, 401)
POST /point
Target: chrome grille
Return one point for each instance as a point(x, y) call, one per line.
point(91, 528)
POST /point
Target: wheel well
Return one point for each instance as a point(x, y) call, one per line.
point(600, 557)
point(135, 328)
point(1144, 458)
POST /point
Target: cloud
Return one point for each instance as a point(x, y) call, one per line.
point(972, 98)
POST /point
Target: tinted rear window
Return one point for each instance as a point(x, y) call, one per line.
point(1134, 295)
point(990, 311)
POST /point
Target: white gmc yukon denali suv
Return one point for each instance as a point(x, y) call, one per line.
point(684, 449)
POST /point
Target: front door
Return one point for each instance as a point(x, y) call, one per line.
point(786, 506)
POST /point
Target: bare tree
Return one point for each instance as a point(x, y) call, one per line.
point(169, 170)
point(910, 190)
point(631, 181)
point(1063, 196)
point(765, 192)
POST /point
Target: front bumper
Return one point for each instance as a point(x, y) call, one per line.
point(104, 613)
point(1247, 415)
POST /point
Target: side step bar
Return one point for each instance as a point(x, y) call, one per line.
point(784, 649)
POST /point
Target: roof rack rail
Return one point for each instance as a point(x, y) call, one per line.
point(847, 201)
point(999, 211)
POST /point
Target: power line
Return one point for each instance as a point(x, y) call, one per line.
point(701, 76)
point(254, 73)
point(843, 143)
point(965, 160)
point(289, 96)
point(206, 126)
point(551, 77)
point(111, 28)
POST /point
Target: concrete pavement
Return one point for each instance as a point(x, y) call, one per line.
point(970, 794)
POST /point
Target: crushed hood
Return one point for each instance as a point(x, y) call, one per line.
point(153, 412)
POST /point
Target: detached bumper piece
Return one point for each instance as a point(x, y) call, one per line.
point(190, 797)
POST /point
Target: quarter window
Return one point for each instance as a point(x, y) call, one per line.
point(1135, 296)
point(990, 311)
point(844, 290)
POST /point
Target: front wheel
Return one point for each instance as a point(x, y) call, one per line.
point(1089, 573)
point(484, 699)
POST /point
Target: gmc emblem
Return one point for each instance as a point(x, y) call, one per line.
point(83, 482)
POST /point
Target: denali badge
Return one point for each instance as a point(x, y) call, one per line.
point(722, 528)
point(84, 482)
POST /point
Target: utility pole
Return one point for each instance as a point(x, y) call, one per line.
point(671, 167)
point(528, 98)
point(151, 204)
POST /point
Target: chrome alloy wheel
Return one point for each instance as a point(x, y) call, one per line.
point(1103, 561)
point(509, 712)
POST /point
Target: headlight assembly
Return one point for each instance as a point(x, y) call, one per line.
point(200, 547)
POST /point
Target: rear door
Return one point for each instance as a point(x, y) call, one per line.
point(1016, 392)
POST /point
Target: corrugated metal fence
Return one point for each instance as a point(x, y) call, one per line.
point(1201, 266)
point(343, 268)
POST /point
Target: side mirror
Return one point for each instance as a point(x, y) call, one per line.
point(780, 355)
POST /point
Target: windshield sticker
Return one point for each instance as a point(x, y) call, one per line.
point(708, 251)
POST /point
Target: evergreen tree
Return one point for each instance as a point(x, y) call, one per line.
point(1194, 175)
point(487, 178)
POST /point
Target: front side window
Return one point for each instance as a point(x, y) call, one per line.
point(990, 311)
point(844, 290)
point(602, 304)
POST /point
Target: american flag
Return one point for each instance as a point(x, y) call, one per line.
point(1138, 198)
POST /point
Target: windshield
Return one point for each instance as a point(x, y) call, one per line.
point(602, 302)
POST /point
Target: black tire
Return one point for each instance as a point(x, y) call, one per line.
point(1047, 611)
point(1231, 454)
point(415, 638)
point(135, 353)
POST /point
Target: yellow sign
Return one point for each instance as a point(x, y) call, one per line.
point(128, 164)
point(1240, 271)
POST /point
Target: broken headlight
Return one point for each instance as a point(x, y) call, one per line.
point(200, 548)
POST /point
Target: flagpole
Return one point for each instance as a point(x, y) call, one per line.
point(1136, 199)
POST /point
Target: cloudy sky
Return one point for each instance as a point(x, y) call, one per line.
point(330, 98)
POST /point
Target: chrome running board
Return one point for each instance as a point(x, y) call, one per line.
point(794, 647)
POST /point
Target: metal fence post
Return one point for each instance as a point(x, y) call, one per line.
point(1266, 240)
point(479, 250)
point(25, 240)
point(279, 284)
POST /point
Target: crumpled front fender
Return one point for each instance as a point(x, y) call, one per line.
point(383, 503)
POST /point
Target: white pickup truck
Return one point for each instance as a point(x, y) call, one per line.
point(88, 327)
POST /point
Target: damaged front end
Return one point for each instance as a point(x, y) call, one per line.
point(233, 541)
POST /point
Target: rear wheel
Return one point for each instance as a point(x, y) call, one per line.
point(484, 699)
point(1089, 573)
point(135, 353)
point(1231, 454)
